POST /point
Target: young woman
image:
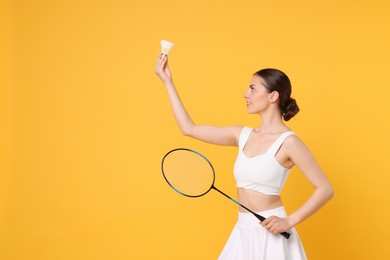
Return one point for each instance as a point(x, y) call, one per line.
point(266, 155)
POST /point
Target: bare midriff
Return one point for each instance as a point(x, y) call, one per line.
point(257, 201)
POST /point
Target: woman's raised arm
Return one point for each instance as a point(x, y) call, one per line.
point(211, 134)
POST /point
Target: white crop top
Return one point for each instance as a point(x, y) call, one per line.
point(261, 173)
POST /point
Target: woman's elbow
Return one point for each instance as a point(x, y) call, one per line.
point(186, 132)
point(326, 191)
point(329, 191)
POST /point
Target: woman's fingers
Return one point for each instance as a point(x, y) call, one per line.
point(161, 63)
point(268, 222)
point(162, 68)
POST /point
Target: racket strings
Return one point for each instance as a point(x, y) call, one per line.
point(188, 172)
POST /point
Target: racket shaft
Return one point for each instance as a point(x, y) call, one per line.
point(259, 217)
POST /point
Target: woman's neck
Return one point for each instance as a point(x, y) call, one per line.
point(271, 123)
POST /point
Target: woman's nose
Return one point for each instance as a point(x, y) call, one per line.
point(245, 94)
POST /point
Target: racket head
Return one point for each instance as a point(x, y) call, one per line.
point(188, 172)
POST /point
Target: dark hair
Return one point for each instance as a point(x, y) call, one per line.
point(276, 80)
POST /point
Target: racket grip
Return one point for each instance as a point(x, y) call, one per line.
point(261, 218)
point(285, 234)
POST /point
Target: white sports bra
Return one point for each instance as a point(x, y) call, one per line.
point(261, 173)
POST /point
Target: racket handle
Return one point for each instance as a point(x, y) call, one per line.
point(285, 234)
point(261, 218)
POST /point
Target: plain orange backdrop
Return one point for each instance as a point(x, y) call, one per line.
point(85, 122)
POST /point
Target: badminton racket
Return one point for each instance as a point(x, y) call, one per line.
point(191, 174)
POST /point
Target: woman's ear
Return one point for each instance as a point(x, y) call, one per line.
point(273, 97)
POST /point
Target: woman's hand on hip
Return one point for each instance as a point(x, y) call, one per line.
point(276, 224)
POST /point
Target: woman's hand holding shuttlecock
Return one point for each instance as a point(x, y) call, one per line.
point(162, 68)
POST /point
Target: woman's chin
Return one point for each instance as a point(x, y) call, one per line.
point(250, 111)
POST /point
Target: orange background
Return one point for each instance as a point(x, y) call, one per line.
point(85, 122)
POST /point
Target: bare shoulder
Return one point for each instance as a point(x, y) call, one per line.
point(236, 130)
point(298, 151)
point(293, 140)
point(294, 143)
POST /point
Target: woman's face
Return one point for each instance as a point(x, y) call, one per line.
point(257, 96)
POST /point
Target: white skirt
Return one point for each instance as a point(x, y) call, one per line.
point(251, 241)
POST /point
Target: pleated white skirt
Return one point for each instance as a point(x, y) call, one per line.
point(251, 241)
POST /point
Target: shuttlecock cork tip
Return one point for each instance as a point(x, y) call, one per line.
point(166, 46)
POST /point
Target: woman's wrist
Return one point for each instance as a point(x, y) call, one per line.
point(169, 83)
point(292, 220)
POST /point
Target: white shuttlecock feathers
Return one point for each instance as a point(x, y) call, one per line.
point(166, 46)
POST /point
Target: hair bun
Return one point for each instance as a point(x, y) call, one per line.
point(290, 109)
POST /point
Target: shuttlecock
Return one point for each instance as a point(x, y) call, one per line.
point(166, 46)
